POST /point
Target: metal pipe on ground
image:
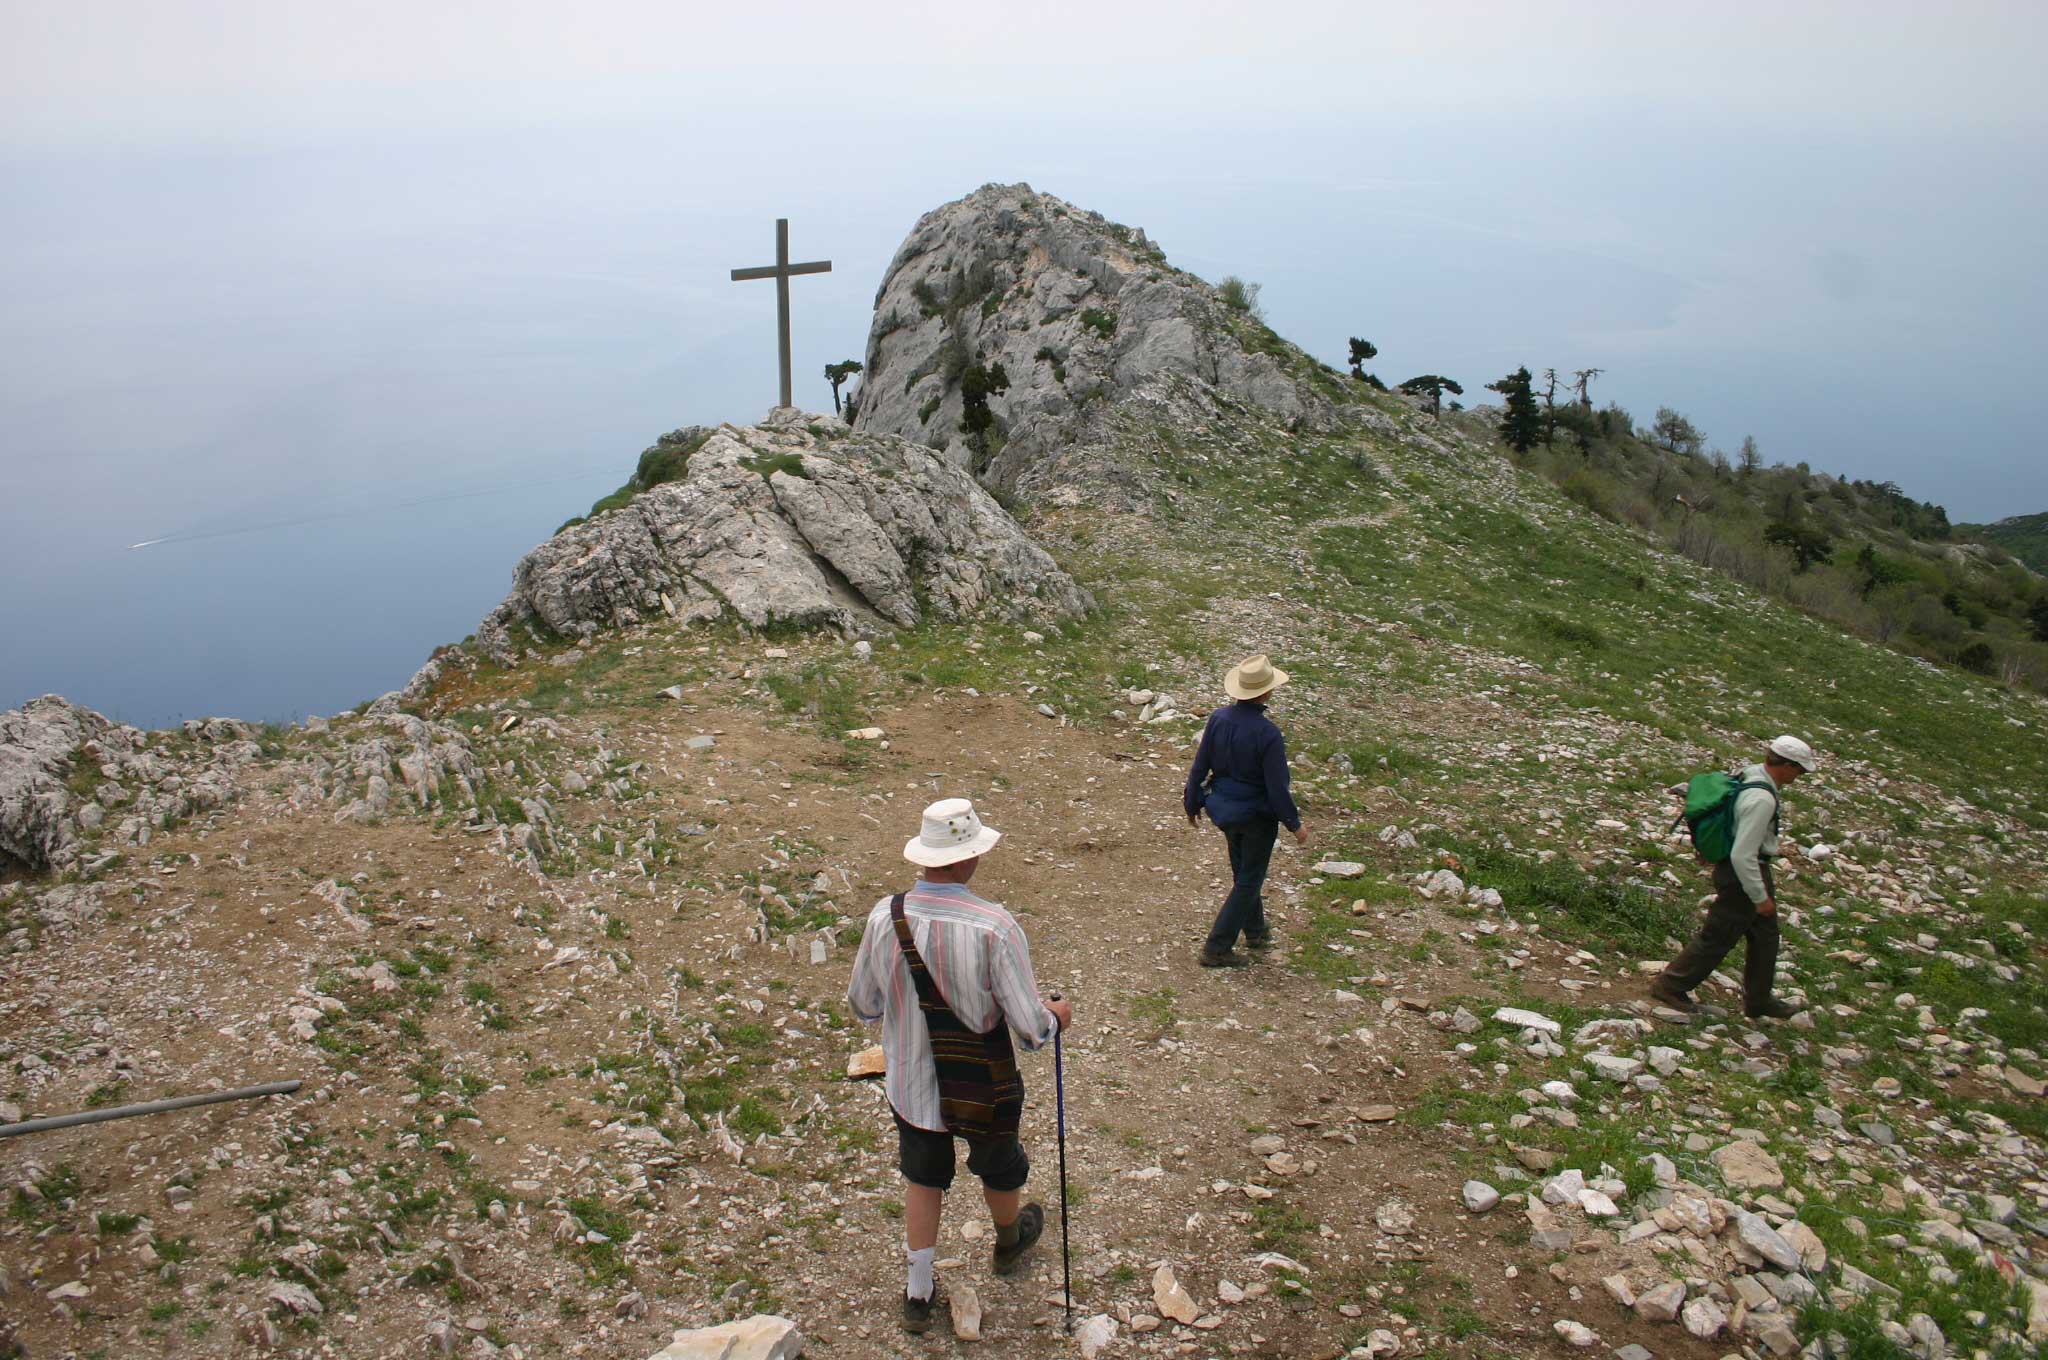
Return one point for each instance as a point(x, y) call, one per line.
point(65, 1121)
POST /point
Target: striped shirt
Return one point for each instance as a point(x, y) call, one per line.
point(976, 954)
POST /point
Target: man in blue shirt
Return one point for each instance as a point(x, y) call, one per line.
point(1240, 777)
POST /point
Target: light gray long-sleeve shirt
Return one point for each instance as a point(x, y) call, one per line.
point(1756, 833)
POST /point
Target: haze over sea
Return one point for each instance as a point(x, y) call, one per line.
point(345, 344)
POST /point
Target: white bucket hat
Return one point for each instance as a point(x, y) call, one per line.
point(1793, 749)
point(1252, 677)
point(952, 832)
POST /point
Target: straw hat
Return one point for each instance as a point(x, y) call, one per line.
point(1252, 677)
point(952, 832)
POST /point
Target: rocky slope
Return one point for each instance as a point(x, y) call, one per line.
point(1081, 313)
point(796, 522)
point(69, 778)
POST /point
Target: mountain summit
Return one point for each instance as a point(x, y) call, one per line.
point(558, 938)
point(1080, 315)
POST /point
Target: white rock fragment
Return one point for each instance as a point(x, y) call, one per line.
point(293, 1297)
point(1761, 1238)
point(1747, 1166)
point(1662, 1303)
point(1170, 1298)
point(1521, 1019)
point(1565, 1187)
point(1703, 1318)
point(1094, 1334)
point(1614, 1068)
point(965, 1306)
point(1576, 1334)
point(760, 1337)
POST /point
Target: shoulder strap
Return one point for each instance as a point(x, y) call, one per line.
point(928, 994)
point(1766, 784)
point(1743, 786)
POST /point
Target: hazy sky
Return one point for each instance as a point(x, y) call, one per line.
point(435, 273)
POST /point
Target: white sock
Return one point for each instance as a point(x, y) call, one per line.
point(921, 1271)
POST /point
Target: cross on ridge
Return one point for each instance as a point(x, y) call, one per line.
point(781, 271)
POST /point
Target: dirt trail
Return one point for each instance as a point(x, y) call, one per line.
point(479, 1083)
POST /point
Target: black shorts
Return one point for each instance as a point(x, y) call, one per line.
point(926, 1158)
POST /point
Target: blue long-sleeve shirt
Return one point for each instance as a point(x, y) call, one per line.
point(1245, 754)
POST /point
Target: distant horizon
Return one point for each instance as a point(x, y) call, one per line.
point(369, 302)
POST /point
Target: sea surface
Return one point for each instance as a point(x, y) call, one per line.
point(337, 388)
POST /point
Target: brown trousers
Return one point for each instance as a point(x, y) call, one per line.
point(1731, 918)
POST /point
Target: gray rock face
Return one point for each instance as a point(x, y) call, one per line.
point(432, 759)
point(47, 743)
point(796, 521)
point(1081, 313)
point(36, 744)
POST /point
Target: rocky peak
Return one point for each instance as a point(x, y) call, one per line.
point(1078, 313)
point(798, 521)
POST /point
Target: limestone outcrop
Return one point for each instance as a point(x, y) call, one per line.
point(1079, 312)
point(69, 777)
point(797, 521)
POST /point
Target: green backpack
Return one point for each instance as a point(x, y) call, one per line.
point(1710, 812)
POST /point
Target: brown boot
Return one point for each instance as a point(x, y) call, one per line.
point(1662, 992)
point(1771, 1009)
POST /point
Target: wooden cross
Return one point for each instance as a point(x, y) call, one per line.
point(781, 271)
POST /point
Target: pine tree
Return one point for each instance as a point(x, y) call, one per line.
point(1521, 424)
point(1675, 432)
point(977, 385)
point(839, 373)
point(1433, 386)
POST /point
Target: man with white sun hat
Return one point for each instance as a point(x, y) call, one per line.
point(1745, 905)
point(948, 976)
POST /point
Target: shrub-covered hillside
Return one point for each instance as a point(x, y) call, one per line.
point(2024, 536)
point(1864, 555)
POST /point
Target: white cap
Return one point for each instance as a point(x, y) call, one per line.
point(1793, 749)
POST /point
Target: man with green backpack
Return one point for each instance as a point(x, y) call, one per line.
point(1734, 822)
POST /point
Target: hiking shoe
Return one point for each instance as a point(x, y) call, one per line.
point(1229, 958)
point(1262, 940)
point(1030, 1223)
point(1772, 1009)
point(1664, 993)
point(917, 1313)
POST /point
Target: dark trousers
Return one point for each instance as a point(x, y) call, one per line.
point(1251, 850)
point(1731, 918)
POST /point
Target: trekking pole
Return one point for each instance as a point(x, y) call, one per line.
point(1059, 1087)
point(65, 1121)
